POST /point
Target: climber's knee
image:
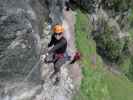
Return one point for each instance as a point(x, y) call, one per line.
point(58, 64)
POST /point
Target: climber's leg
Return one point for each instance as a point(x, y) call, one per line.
point(57, 67)
point(58, 64)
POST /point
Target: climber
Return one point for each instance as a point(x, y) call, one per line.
point(57, 48)
point(57, 53)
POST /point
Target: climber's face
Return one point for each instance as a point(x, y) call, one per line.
point(58, 36)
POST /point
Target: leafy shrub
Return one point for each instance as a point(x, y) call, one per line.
point(109, 45)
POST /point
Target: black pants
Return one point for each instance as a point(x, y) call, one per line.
point(58, 62)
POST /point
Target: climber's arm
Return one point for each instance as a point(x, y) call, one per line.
point(57, 46)
point(51, 42)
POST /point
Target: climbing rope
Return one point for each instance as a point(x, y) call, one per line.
point(36, 65)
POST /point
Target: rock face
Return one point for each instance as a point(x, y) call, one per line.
point(22, 35)
point(20, 32)
point(56, 10)
point(63, 91)
point(119, 10)
point(19, 37)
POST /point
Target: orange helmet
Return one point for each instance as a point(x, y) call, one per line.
point(58, 29)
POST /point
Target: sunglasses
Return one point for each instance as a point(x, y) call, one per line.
point(57, 34)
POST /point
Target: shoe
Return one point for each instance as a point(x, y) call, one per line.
point(56, 81)
point(67, 9)
point(52, 75)
point(42, 82)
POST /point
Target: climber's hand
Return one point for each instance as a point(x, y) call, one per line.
point(43, 57)
point(50, 48)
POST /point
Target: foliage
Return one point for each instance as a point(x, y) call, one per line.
point(97, 83)
point(130, 71)
point(117, 5)
point(109, 45)
point(93, 86)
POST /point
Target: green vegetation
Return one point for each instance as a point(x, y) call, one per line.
point(97, 83)
point(130, 18)
point(129, 74)
point(92, 86)
point(108, 45)
point(119, 87)
point(117, 5)
point(127, 65)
